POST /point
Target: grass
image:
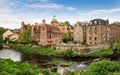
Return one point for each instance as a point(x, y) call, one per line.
point(53, 52)
point(101, 53)
point(35, 50)
point(43, 51)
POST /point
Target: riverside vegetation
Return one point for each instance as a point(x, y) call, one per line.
point(9, 67)
point(43, 51)
point(103, 67)
point(1, 36)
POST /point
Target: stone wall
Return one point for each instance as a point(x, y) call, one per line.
point(82, 49)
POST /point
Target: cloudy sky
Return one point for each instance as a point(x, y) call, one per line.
point(12, 12)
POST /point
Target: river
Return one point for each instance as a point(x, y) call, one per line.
point(42, 61)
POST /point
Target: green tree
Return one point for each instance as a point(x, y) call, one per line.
point(66, 37)
point(2, 30)
point(69, 53)
point(103, 67)
point(61, 24)
point(25, 35)
point(67, 23)
point(117, 45)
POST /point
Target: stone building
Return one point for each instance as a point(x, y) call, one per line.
point(46, 34)
point(115, 31)
point(98, 32)
point(79, 32)
point(94, 33)
point(10, 35)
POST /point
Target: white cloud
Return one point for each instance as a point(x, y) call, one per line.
point(102, 11)
point(44, 0)
point(12, 17)
point(45, 6)
point(71, 8)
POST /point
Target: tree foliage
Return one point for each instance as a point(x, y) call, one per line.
point(25, 35)
point(8, 67)
point(2, 30)
point(103, 67)
point(66, 23)
point(69, 53)
point(66, 37)
point(117, 45)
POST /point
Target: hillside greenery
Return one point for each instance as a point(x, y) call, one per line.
point(9, 67)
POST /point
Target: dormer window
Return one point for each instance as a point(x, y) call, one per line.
point(90, 23)
point(95, 22)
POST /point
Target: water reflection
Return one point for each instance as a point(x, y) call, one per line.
point(10, 54)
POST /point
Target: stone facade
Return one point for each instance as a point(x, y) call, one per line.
point(12, 36)
point(80, 49)
point(115, 31)
point(44, 34)
point(7, 34)
point(78, 32)
point(47, 34)
point(96, 32)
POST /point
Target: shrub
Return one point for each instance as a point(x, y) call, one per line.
point(104, 67)
point(9, 67)
point(101, 53)
point(69, 53)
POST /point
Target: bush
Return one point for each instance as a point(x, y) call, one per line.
point(104, 67)
point(101, 53)
point(69, 53)
point(36, 50)
point(8, 67)
point(43, 51)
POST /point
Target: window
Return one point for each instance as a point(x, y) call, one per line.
point(90, 23)
point(89, 38)
point(95, 38)
point(95, 43)
point(95, 22)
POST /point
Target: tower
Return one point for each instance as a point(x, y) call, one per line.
point(54, 22)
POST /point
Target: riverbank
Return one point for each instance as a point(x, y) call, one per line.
point(57, 53)
point(102, 53)
point(54, 64)
point(43, 51)
point(34, 56)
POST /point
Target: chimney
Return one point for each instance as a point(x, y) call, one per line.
point(43, 22)
point(107, 21)
point(22, 23)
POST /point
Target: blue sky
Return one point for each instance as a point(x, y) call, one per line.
point(12, 12)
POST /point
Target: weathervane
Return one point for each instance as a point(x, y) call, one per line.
point(54, 16)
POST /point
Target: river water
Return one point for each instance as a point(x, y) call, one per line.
point(41, 61)
point(10, 54)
